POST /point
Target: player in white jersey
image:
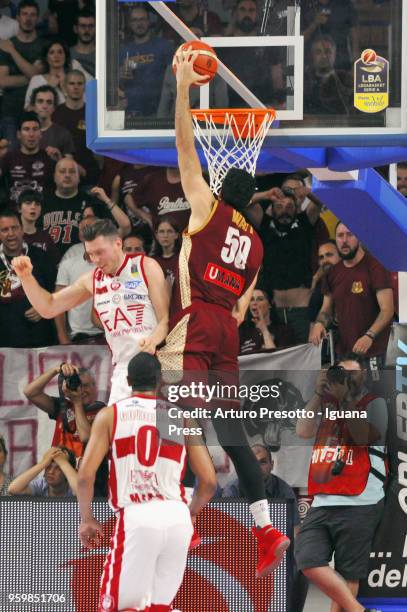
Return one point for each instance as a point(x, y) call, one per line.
point(145, 566)
point(130, 298)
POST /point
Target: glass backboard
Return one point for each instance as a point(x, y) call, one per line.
point(333, 69)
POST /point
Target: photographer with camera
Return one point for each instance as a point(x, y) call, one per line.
point(75, 408)
point(346, 477)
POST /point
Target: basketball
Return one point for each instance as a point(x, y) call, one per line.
point(369, 56)
point(206, 64)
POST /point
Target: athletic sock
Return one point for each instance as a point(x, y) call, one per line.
point(260, 512)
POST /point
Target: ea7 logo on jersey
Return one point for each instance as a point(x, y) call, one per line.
point(130, 316)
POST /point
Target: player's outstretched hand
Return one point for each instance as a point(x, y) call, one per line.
point(22, 266)
point(91, 533)
point(185, 73)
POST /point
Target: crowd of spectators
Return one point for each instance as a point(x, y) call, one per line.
point(316, 275)
point(52, 185)
point(333, 40)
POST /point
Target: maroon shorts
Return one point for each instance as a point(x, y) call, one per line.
point(203, 337)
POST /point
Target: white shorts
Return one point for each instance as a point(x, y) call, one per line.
point(147, 559)
point(119, 388)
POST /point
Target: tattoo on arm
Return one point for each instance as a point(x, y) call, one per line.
point(324, 318)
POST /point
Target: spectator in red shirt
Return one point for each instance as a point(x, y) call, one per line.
point(125, 183)
point(359, 288)
point(167, 248)
point(161, 192)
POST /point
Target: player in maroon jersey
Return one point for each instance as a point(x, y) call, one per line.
point(218, 267)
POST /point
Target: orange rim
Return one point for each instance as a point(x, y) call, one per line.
point(240, 116)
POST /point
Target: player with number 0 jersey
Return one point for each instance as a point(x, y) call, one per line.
point(149, 547)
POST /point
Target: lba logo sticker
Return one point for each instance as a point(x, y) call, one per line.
point(371, 82)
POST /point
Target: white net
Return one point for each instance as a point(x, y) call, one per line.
point(236, 142)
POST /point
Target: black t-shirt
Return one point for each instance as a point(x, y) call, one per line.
point(287, 254)
point(251, 338)
point(61, 216)
point(21, 171)
point(13, 97)
point(15, 329)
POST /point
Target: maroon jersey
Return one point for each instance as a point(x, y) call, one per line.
point(74, 122)
point(218, 263)
point(131, 177)
point(169, 265)
point(42, 240)
point(354, 296)
point(161, 198)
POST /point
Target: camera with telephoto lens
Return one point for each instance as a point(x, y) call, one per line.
point(337, 375)
point(73, 381)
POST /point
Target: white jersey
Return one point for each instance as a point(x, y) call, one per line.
point(124, 307)
point(143, 464)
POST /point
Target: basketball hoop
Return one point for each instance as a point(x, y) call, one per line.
point(231, 137)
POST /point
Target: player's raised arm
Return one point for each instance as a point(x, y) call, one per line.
point(48, 305)
point(195, 188)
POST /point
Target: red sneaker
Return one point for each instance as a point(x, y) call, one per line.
point(271, 548)
point(195, 540)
